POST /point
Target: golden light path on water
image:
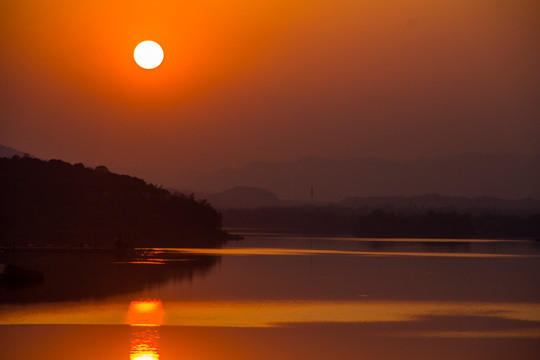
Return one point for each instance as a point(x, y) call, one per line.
point(145, 316)
point(310, 252)
point(261, 314)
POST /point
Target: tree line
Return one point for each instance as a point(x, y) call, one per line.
point(373, 222)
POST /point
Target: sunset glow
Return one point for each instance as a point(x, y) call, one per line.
point(280, 179)
point(249, 74)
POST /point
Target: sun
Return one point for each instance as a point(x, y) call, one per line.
point(148, 54)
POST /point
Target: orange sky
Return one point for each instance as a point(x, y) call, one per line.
point(267, 80)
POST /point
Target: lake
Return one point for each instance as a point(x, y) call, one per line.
point(279, 296)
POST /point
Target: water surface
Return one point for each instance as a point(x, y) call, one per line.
point(281, 296)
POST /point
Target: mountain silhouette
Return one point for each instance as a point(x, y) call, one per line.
point(468, 175)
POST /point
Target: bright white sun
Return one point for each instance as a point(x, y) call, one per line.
point(148, 54)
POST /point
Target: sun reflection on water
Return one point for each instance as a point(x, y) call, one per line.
point(145, 316)
point(145, 313)
point(144, 344)
point(144, 356)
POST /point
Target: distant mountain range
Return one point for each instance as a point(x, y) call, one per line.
point(333, 180)
point(242, 197)
point(466, 175)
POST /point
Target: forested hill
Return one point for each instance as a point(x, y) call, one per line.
point(56, 203)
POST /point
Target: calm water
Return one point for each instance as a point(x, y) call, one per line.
point(276, 296)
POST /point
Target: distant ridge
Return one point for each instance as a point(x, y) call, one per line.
point(465, 175)
point(243, 197)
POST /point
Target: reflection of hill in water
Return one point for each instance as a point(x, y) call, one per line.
point(77, 276)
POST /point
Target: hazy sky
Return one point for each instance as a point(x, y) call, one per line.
point(268, 80)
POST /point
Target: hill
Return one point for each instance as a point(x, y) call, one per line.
point(56, 203)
